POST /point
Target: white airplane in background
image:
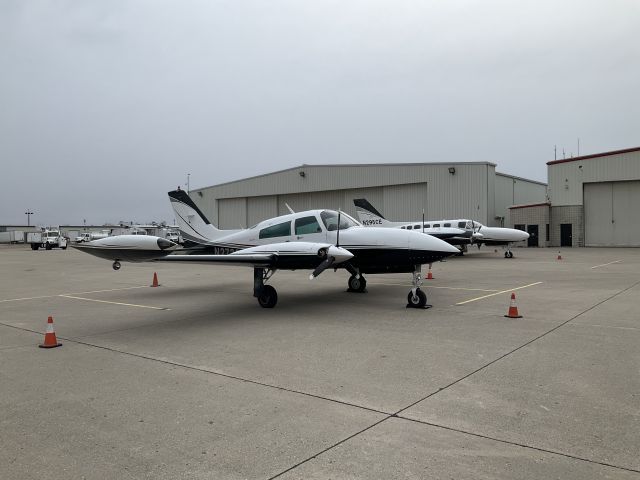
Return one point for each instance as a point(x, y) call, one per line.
point(313, 239)
point(473, 232)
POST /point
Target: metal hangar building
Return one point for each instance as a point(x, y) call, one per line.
point(593, 201)
point(399, 191)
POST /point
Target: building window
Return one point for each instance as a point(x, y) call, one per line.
point(279, 230)
point(548, 236)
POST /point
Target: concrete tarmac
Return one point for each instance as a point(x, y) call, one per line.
point(194, 380)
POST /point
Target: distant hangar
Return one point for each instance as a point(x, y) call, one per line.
point(399, 190)
point(593, 201)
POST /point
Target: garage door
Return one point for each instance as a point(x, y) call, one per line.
point(612, 214)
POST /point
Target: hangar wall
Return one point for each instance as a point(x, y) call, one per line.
point(512, 190)
point(595, 199)
point(399, 191)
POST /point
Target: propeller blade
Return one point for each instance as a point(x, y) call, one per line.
point(326, 263)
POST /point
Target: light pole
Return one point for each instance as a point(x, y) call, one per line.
point(188, 178)
point(28, 213)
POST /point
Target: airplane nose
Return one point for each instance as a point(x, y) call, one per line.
point(426, 242)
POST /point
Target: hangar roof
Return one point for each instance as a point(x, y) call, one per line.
point(595, 155)
point(348, 165)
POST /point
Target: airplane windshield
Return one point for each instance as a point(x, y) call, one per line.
point(330, 220)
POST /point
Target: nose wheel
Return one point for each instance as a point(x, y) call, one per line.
point(417, 299)
point(508, 254)
point(116, 265)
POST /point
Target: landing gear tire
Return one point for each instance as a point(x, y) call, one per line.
point(508, 254)
point(268, 297)
point(48, 246)
point(63, 248)
point(419, 300)
point(357, 283)
point(34, 246)
point(116, 265)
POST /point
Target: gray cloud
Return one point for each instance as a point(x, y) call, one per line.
point(107, 105)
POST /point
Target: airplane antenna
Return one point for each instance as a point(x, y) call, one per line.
point(423, 220)
point(290, 209)
point(338, 232)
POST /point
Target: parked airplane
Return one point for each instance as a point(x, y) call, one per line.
point(313, 239)
point(474, 232)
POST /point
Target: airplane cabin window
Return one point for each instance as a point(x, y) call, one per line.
point(447, 224)
point(306, 225)
point(462, 224)
point(279, 230)
point(403, 227)
point(330, 220)
point(409, 227)
point(426, 225)
point(436, 225)
point(416, 227)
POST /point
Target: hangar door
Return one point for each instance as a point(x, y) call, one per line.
point(612, 214)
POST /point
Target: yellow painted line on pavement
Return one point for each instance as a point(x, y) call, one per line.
point(76, 293)
point(605, 264)
point(114, 303)
point(426, 284)
point(498, 293)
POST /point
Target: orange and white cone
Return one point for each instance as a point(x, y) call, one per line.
point(429, 274)
point(50, 340)
point(559, 256)
point(513, 309)
point(155, 280)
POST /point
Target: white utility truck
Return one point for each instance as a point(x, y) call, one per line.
point(47, 238)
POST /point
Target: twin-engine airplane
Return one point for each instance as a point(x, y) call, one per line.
point(313, 239)
point(470, 230)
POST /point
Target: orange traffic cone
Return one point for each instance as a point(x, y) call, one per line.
point(155, 280)
point(559, 256)
point(513, 309)
point(429, 274)
point(50, 340)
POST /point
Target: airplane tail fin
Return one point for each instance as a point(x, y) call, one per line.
point(368, 215)
point(195, 228)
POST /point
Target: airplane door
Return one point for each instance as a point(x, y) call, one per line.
point(308, 229)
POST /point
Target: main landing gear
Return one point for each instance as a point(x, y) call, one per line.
point(266, 294)
point(357, 283)
point(508, 253)
point(416, 298)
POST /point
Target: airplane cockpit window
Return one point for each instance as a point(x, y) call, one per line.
point(279, 230)
point(330, 220)
point(306, 225)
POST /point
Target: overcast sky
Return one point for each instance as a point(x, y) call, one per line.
point(107, 105)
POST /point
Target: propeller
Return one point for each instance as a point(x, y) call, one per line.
point(331, 255)
point(326, 263)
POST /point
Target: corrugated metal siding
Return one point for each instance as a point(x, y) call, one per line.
point(566, 179)
point(612, 216)
point(404, 202)
point(516, 191)
point(232, 213)
point(261, 208)
point(471, 192)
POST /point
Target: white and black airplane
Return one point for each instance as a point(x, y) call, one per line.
point(472, 232)
point(313, 239)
